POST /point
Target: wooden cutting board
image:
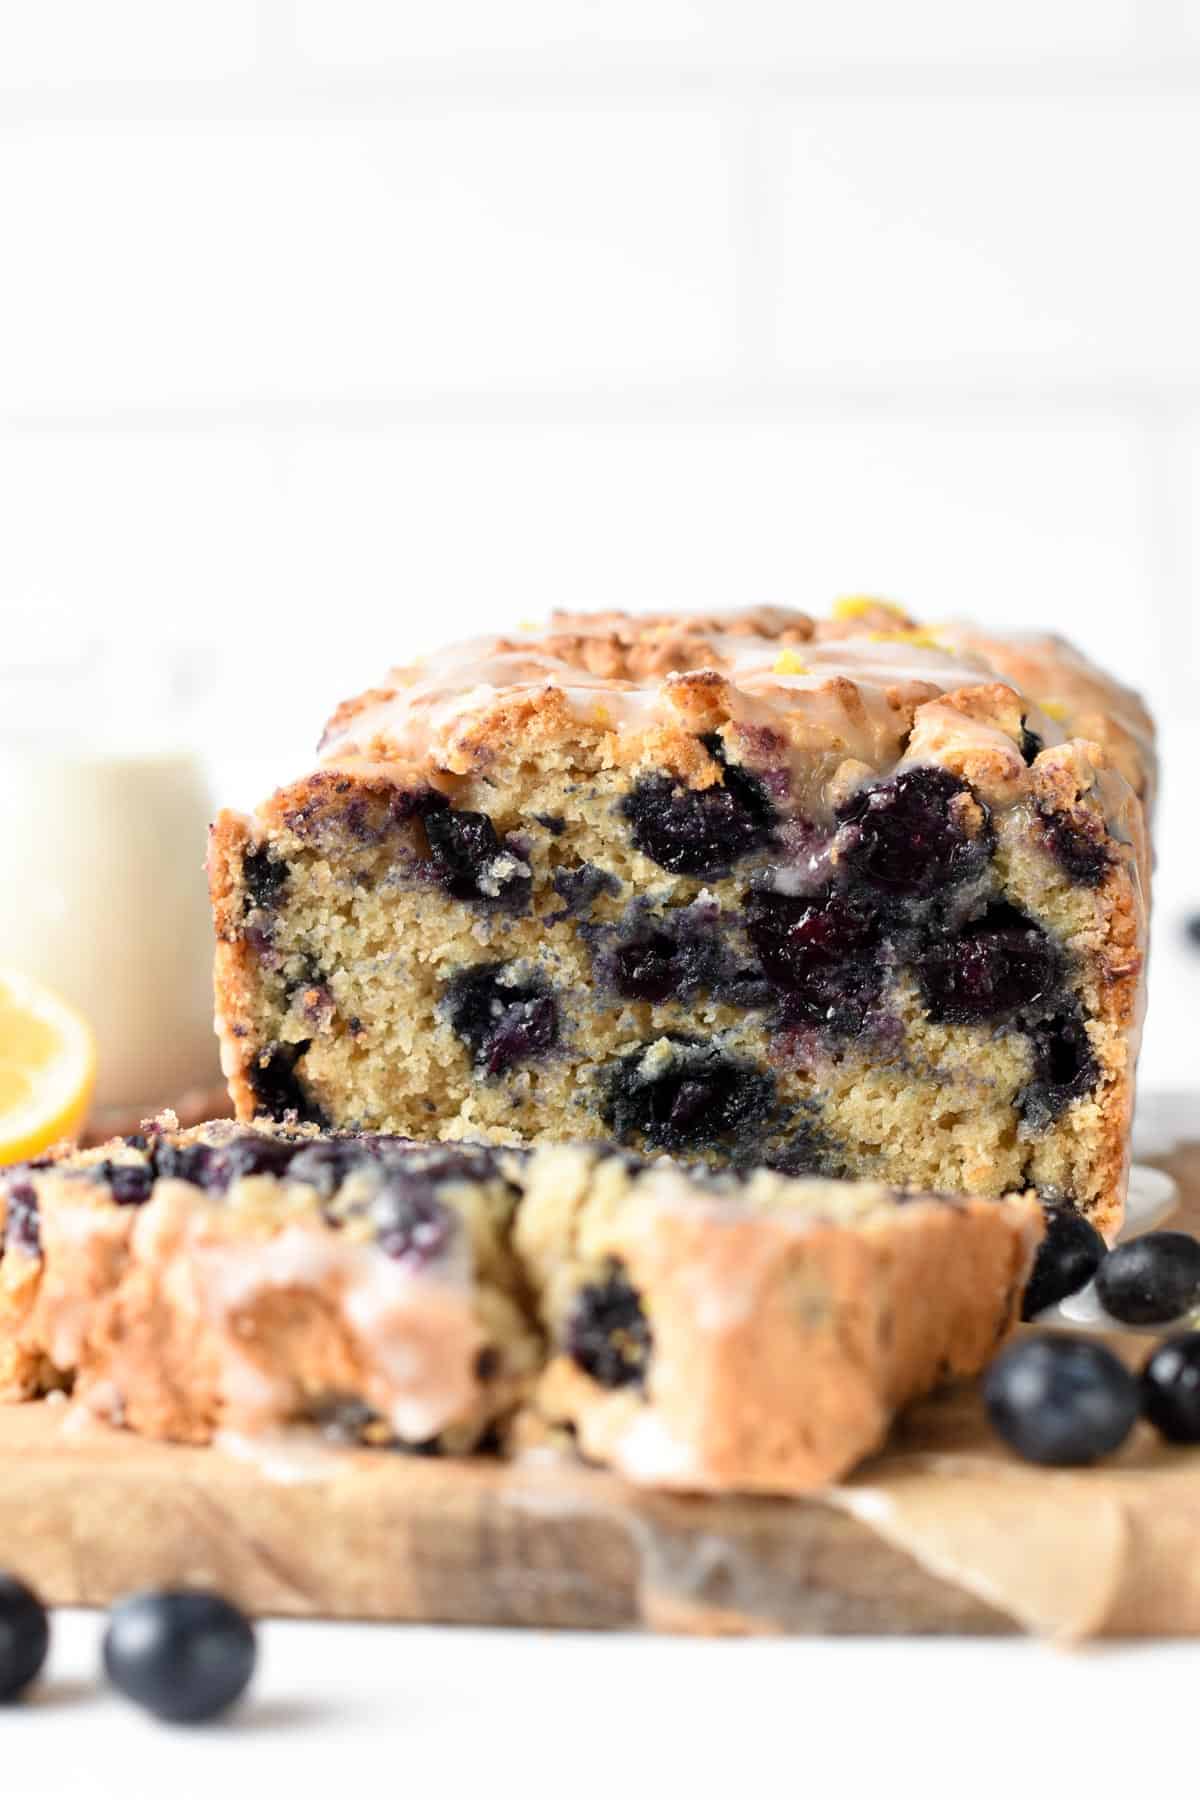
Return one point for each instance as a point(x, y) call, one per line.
point(942, 1533)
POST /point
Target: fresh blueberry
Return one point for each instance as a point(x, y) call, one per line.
point(24, 1636)
point(501, 1023)
point(1064, 1068)
point(1062, 1401)
point(987, 971)
point(1151, 1280)
point(903, 836)
point(277, 1087)
point(412, 1225)
point(22, 1224)
point(184, 1656)
point(700, 1097)
point(821, 953)
point(1078, 845)
point(607, 1333)
point(1193, 928)
point(700, 831)
point(1068, 1256)
point(1171, 1388)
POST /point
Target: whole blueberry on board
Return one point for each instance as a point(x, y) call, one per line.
point(24, 1636)
point(184, 1656)
point(1151, 1280)
point(1171, 1388)
point(1061, 1401)
point(1068, 1256)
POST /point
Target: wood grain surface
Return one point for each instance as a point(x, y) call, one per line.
point(87, 1513)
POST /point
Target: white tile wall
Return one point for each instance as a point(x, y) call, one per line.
point(328, 327)
point(742, 33)
point(1010, 239)
point(57, 44)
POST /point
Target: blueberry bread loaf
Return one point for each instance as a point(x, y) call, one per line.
point(834, 896)
point(185, 1283)
point(695, 1329)
point(756, 1335)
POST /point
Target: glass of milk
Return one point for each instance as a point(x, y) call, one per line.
point(104, 809)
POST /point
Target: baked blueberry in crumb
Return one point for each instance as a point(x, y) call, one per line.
point(808, 1151)
point(906, 836)
point(691, 1097)
point(1031, 745)
point(821, 954)
point(22, 1227)
point(276, 1086)
point(674, 955)
point(411, 1224)
point(580, 888)
point(700, 831)
point(130, 1184)
point(607, 1333)
point(989, 970)
point(250, 1153)
point(501, 1023)
point(554, 823)
point(264, 878)
point(325, 1166)
point(1079, 846)
point(1064, 1069)
point(472, 863)
point(184, 1162)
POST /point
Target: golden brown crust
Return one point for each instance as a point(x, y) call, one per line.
point(815, 709)
point(788, 1320)
point(782, 1341)
point(248, 1306)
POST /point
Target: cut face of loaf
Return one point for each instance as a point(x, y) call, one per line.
point(692, 1329)
point(220, 1279)
point(830, 896)
point(761, 1336)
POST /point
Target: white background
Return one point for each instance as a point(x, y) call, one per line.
point(332, 328)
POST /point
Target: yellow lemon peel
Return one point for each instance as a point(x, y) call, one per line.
point(47, 1067)
point(854, 606)
point(788, 663)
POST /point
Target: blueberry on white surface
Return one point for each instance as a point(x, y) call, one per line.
point(24, 1636)
point(1061, 1401)
point(183, 1656)
point(1151, 1280)
point(1171, 1388)
point(1068, 1256)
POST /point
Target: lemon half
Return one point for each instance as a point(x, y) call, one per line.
point(47, 1067)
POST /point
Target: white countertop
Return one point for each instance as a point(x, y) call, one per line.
point(427, 1712)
